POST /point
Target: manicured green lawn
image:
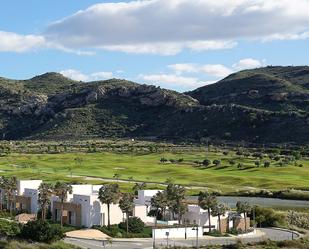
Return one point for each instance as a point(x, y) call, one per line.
point(147, 167)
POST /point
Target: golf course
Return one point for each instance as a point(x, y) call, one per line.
point(224, 172)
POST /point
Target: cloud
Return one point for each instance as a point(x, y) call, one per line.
point(248, 63)
point(215, 70)
point(168, 27)
point(173, 81)
point(12, 42)
point(79, 76)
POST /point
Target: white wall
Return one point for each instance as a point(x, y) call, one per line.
point(144, 196)
point(80, 189)
point(33, 193)
point(93, 212)
point(30, 184)
point(141, 212)
point(177, 233)
point(199, 216)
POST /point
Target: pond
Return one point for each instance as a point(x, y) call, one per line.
point(264, 202)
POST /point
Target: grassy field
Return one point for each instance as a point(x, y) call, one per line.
point(147, 167)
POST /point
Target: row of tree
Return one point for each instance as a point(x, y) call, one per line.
point(173, 199)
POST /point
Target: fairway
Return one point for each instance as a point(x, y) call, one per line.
point(148, 168)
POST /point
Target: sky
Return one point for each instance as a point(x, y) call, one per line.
point(175, 44)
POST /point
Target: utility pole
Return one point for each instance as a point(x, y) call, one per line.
point(154, 232)
point(197, 244)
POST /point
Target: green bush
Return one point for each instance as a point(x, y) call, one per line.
point(136, 225)
point(271, 218)
point(42, 231)
point(9, 228)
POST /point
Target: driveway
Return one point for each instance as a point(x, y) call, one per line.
point(262, 234)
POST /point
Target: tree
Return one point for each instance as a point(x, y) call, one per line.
point(244, 208)
point(266, 164)
point(109, 194)
point(260, 219)
point(136, 225)
point(180, 210)
point(45, 192)
point(2, 188)
point(116, 176)
point(218, 210)
point(10, 188)
point(175, 195)
point(216, 162)
point(139, 186)
point(61, 190)
point(206, 162)
point(207, 201)
point(160, 202)
point(126, 205)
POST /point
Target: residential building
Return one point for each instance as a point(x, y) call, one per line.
point(83, 208)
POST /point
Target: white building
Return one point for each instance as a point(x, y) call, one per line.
point(83, 208)
point(197, 215)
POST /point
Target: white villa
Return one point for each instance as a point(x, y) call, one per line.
point(83, 208)
point(26, 196)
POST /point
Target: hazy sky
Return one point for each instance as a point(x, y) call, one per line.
point(176, 44)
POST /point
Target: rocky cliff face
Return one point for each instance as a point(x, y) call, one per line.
point(247, 106)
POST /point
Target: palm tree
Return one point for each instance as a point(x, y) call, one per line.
point(218, 210)
point(126, 205)
point(45, 193)
point(10, 188)
point(139, 186)
point(2, 187)
point(243, 208)
point(61, 190)
point(207, 201)
point(175, 195)
point(109, 194)
point(180, 210)
point(160, 202)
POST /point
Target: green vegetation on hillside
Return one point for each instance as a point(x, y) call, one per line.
point(268, 105)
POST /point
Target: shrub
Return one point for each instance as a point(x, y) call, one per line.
point(206, 162)
point(232, 162)
point(271, 217)
point(9, 228)
point(42, 231)
point(266, 164)
point(216, 162)
point(136, 225)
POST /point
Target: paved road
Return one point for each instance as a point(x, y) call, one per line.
point(269, 233)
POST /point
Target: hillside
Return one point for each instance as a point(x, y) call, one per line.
point(271, 88)
point(262, 105)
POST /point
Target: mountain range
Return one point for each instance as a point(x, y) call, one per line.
point(264, 105)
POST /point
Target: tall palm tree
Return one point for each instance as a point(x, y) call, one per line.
point(175, 195)
point(207, 201)
point(218, 210)
point(45, 193)
point(10, 188)
point(109, 194)
point(2, 189)
point(126, 205)
point(62, 190)
point(160, 202)
point(139, 186)
point(180, 210)
point(244, 208)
